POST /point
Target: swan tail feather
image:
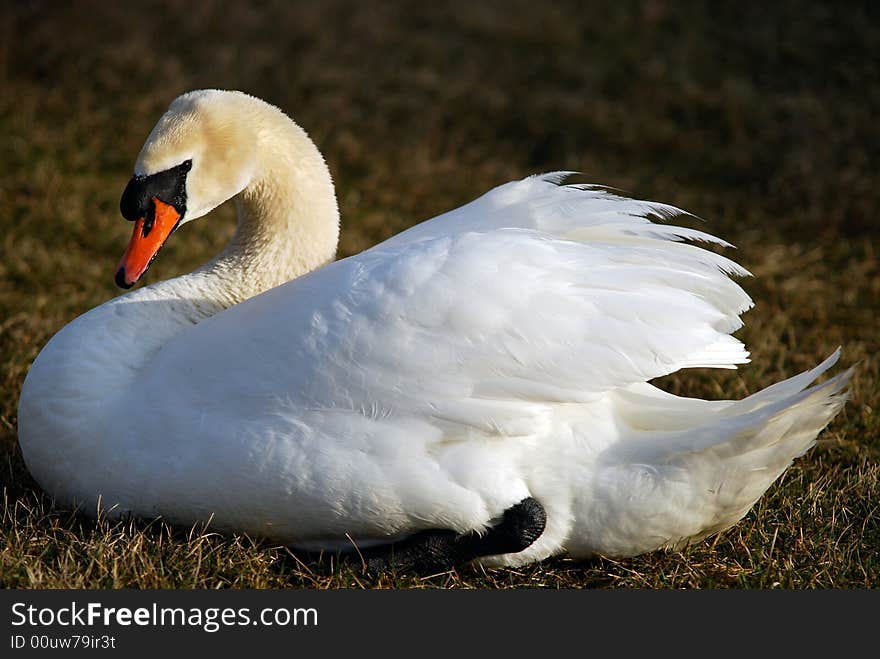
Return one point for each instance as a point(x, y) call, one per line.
point(752, 460)
point(671, 487)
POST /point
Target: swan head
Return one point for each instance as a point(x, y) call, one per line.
point(201, 152)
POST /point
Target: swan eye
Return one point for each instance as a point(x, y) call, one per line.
point(168, 186)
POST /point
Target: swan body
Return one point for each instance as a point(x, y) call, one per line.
point(500, 351)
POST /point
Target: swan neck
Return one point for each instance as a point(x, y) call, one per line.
point(288, 219)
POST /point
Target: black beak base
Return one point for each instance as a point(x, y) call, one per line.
point(168, 185)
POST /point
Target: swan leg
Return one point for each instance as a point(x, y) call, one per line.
point(442, 549)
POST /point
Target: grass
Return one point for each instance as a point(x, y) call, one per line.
point(760, 119)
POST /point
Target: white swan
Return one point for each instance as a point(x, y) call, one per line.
point(497, 352)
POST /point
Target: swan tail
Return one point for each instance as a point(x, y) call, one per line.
point(684, 484)
point(775, 431)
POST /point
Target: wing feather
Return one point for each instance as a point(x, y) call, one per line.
point(483, 318)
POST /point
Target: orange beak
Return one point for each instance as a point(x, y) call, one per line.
point(146, 241)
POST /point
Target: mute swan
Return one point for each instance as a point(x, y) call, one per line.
point(483, 374)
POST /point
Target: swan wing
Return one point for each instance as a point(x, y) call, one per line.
point(533, 295)
point(584, 212)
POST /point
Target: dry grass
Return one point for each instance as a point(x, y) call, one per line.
point(762, 120)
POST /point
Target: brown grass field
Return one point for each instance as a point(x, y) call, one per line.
point(762, 119)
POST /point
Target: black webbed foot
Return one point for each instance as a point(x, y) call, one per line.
point(520, 526)
point(442, 549)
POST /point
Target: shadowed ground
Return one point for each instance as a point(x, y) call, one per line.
point(761, 120)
